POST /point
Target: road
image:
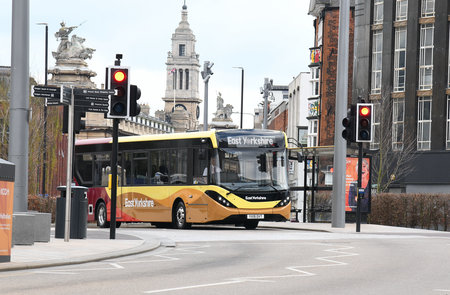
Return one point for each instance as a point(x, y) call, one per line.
point(228, 260)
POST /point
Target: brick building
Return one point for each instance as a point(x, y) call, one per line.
point(321, 106)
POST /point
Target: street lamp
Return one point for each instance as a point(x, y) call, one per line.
point(242, 93)
point(266, 92)
point(44, 156)
point(206, 74)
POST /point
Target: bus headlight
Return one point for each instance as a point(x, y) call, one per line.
point(284, 202)
point(219, 199)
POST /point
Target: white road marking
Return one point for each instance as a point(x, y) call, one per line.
point(441, 290)
point(192, 287)
point(298, 271)
point(75, 271)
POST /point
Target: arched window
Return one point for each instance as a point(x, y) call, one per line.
point(181, 79)
point(174, 73)
point(187, 79)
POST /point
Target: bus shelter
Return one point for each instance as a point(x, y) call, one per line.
point(315, 181)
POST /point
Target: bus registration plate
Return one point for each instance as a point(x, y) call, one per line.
point(255, 216)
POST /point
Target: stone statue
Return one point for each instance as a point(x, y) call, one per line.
point(219, 102)
point(223, 113)
point(73, 48)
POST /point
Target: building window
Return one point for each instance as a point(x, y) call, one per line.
point(375, 144)
point(448, 75)
point(377, 47)
point(401, 11)
point(182, 49)
point(448, 123)
point(400, 59)
point(424, 123)
point(187, 78)
point(312, 132)
point(302, 136)
point(378, 12)
point(426, 57)
point(181, 79)
point(398, 118)
point(315, 74)
point(174, 73)
point(427, 8)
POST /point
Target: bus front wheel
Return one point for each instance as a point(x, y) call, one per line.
point(101, 216)
point(179, 216)
point(251, 224)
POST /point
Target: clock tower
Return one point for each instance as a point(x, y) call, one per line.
point(182, 97)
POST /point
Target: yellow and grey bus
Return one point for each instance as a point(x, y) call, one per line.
point(225, 177)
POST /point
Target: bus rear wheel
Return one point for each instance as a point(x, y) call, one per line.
point(251, 224)
point(179, 216)
point(101, 216)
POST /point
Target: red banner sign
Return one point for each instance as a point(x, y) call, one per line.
point(6, 218)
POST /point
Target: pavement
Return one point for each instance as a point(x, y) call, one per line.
point(97, 246)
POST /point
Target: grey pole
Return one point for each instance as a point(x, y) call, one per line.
point(205, 112)
point(206, 74)
point(44, 143)
point(340, 145)
point(69, 167)
point(265, 91)
point(242, 94)
point(19, 105)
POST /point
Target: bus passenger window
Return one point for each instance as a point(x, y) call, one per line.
point(178, 168)
point(101, 169)
point(140, 168)
point(199, 164)
point(84, 168)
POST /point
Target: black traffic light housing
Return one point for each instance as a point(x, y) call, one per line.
point(364, 123)
point(262, 163)
point(349, 124)
point(118, 79)
point(135, 94)
point(78, 124)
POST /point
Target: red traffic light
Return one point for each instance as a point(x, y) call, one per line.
point(119, 76)
point(364, 111)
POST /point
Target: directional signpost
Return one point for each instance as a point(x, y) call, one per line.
point(55, 95)
point(92, 100)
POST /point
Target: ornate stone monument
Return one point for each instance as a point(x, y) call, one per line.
point(71, 67)
point(222, 117)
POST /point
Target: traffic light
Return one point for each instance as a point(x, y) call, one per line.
point(79, 124)
point(364, 122)
point(135, 94)
point(119, 81)
point(262, 163)
point(349, 124)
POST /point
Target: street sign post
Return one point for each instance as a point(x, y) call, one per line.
point(55, 95)
point(92, 100)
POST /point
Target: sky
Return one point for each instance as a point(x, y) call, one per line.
point(268, 38)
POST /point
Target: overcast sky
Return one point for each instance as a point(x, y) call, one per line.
point(267, 38)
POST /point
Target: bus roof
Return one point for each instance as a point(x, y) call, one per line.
point(150, 137)
point(214, 135)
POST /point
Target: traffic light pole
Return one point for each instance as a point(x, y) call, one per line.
point(115, 148)
point(358, 199)
point(114, 151)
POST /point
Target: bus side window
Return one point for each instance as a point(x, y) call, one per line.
point(102, 169)
point(199, 164)
point(178, 168)
point(159, 172)
point(84, 169)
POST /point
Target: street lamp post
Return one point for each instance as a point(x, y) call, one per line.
point(206, 74)
point(44, 156)
point(266, 91)
point(242, 93)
